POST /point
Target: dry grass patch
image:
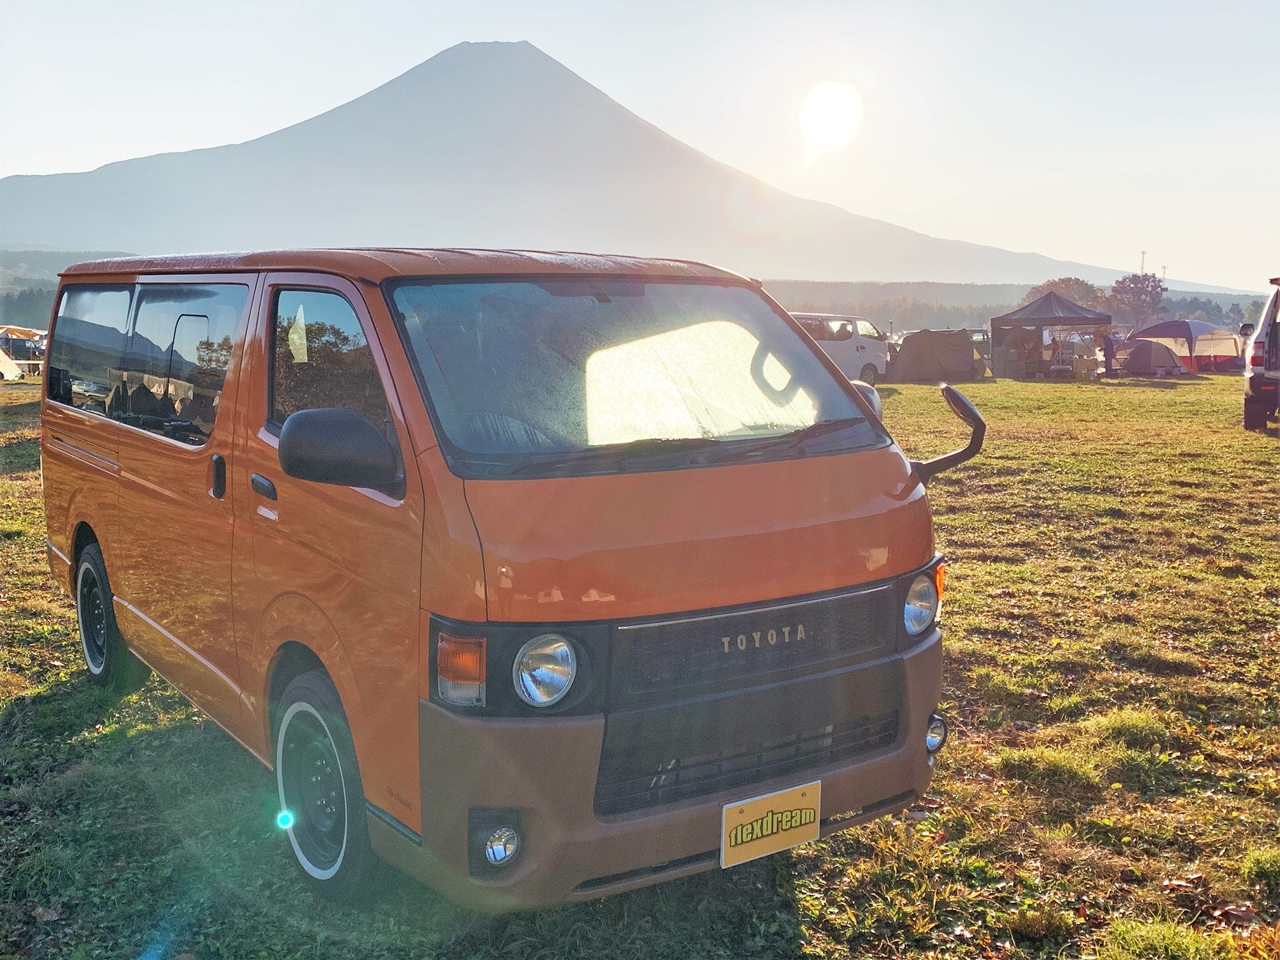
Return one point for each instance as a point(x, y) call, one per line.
point(1115, 707)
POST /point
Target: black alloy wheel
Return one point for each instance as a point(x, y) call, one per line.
point(100, 639)
point(321, 798)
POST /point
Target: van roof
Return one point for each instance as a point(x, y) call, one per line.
point(382, 263)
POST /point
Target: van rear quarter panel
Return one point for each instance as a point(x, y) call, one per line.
point(79, 463)
point(634, 545)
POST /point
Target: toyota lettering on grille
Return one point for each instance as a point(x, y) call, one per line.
point(762, 638)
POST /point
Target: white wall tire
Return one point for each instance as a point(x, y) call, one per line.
point(318, 785)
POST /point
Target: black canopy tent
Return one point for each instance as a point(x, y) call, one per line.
point(1051, 310)
point(1021, 332)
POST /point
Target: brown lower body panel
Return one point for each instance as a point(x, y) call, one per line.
point(547, 771)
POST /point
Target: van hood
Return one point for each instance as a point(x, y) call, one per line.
point(637, 545)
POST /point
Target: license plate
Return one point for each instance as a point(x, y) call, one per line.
point(764, 825)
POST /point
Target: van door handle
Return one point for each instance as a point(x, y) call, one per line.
point(262, 486)
point(219, 487)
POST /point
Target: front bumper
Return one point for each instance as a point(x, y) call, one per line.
point(547, 770)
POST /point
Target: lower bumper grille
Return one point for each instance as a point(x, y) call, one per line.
point(623, 785)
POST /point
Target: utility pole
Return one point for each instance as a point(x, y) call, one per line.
point(1164, 272)
point(1143, 268)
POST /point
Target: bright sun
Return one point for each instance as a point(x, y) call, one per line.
point(830, 114)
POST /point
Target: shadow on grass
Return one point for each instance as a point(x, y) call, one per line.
point(145, 828)
point(19, 456)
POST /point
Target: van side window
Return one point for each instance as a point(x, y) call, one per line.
point(176, 360)
point(88, 343)
point(322, 358)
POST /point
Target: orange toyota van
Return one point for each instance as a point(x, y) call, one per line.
point(541, 576)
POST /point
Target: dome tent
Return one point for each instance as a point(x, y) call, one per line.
point(1148, 358)
point(1200, 346)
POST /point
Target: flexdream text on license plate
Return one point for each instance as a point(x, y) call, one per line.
point(764, 825)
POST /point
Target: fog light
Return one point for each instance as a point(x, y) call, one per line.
point(936, 734)
point(502, 846)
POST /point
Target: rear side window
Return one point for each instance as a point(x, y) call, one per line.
point(322, 358)
point(175, 361)
point(88, 345)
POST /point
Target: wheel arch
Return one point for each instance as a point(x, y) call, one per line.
point(81, 537)
point(291, 660)
point(304, 641)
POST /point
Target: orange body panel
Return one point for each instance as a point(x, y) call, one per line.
point(215, 592)
point(173, 595)
point(634, 545)
point(338, 570)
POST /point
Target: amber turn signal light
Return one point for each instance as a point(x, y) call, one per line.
point(460, 669)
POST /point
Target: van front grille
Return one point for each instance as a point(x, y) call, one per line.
point(665, 659)
point(623, 786)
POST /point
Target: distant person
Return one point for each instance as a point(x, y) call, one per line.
point(1109, 343)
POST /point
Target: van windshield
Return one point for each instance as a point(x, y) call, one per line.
point(601, 375)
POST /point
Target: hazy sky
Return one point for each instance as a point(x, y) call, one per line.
point(1085, 131)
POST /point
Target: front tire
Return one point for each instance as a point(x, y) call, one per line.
point(868, 375)
point(320, 789)
point(100, 641)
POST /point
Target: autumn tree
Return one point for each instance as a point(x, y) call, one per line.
point(1137, 299)
point(1073, 288)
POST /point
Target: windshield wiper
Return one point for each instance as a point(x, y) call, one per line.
point(616, 454)
point(788, 441)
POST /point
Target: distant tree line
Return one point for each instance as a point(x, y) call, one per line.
point(908, 313)
point(27, 308)
point(1141, 299)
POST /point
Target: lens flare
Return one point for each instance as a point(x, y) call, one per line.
point(830, 115)
point(284, 819)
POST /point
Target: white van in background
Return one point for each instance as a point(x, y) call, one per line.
point(1262, 366)
point(857, 347)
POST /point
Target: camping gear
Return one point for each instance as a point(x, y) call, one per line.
point(937, 356)
point(1150, 358)
point(20, 353)
point(1024, 337)
point(1199, 345)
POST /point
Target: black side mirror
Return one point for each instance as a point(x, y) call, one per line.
point(871, 395)
point(967, 412)
point(337, 446)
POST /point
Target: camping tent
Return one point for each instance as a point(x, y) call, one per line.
point(1021, 339)
point(936, 355)
point(1201, 346)
point(1148, 358)
point(1051, 310)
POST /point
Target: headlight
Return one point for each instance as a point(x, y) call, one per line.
point(544, 670)
point(921, 606)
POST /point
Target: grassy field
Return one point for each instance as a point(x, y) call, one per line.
point(1111, 790)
